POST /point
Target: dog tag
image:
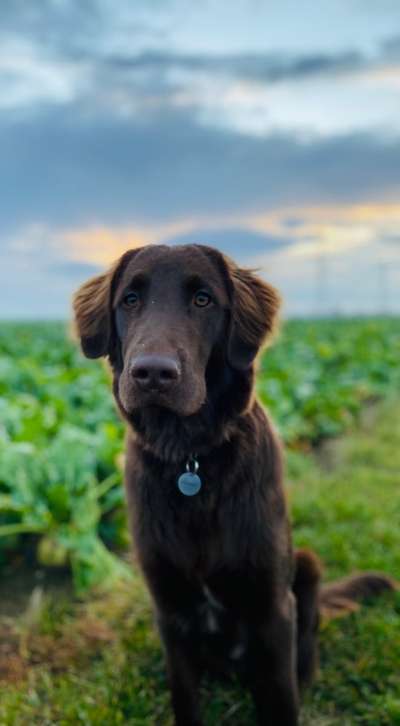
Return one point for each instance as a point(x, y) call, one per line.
point(189, 483)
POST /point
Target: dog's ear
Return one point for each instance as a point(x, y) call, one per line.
point(92, 305)
point(92, 309)
point(254, 306)
point(254, 313)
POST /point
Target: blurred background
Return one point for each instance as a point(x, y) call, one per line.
point(267, 129)
point(271, 131)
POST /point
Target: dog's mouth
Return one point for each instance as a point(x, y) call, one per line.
point(134, 402)
point(152, 399)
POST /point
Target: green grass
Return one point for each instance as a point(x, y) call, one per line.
point(99, 662)
point(348, 507)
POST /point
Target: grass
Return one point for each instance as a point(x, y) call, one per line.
point(99, 661)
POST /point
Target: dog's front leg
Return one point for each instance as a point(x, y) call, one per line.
point(176, 600)
point(272, 667)
point(183, 672)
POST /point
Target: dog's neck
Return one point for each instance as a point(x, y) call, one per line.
point(173, 438)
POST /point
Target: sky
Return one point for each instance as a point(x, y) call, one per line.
point(267, 129)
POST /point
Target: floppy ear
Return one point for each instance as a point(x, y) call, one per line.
point(92, 308)
point(92, 305)
point(255, 307)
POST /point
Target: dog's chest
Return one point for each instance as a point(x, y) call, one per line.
point(189, 531)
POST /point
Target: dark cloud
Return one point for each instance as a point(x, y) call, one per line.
point(391, 47)
point(77, 30)
point(238, 242)
point(292, 222)
point(162, 81)
point(82, 33)
point(66, 167)
point(93, 34)
point(61, 25)
point(255, 67)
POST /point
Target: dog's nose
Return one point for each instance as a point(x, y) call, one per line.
point(155, 372)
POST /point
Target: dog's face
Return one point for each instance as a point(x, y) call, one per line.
point(163, 313)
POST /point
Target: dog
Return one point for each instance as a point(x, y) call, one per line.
point(181, 327)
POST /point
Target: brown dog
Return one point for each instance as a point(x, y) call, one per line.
point(181, 327)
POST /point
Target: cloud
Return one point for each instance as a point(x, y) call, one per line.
point(86, 51)
point(392, 239)
point(261, 67)
point(70, 169)
point(74, 269)
point(238, 242)
point(35, 278)
point(348, 243)
point(129, 63)
point(101, 245)
point(77, 28)
point(391, 47)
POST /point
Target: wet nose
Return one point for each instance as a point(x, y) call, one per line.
point(155, 372)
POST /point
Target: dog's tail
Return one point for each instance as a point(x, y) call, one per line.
point(334, 599)
point(344, 596)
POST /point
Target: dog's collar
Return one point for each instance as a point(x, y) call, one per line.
point(189, 483)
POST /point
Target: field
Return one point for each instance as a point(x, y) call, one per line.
point(331, 386)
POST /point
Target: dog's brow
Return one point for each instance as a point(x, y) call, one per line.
point(138, 281)
point(193, 282)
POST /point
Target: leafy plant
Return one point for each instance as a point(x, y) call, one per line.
point(319, 375)
point(61, 439)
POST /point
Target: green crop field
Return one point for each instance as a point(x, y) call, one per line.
point(332, 388)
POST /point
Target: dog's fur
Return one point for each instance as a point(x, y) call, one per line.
point(229, 592)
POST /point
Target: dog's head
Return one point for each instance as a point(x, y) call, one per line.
point(164, 314)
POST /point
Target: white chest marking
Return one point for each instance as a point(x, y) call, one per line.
point(213, 606)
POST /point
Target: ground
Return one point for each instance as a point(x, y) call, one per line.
point(98, 661)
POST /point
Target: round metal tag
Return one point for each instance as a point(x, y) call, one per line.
point(189, 484)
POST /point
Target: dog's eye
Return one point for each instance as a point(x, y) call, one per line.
point(130, 300)
point(202, 299)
